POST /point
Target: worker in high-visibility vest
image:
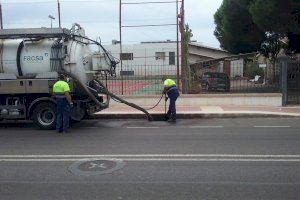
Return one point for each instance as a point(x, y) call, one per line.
point(172, 91)
point(61, 91)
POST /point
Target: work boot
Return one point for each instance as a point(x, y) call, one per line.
point(166, 118)
point(172, 120)
point(67, 131)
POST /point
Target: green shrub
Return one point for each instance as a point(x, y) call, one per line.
point(252, 69)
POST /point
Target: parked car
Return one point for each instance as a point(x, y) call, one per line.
point(215, 80)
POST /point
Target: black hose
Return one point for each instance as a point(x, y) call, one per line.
point(156, 104)
point(20, 47)
point(87, 91)
point(113, 96)
point(110, 57)
point(109, 94)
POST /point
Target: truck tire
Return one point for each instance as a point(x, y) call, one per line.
point(77, 114)
point(44, 115)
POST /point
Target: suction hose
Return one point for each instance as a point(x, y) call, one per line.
point(125, 102)
point(87, 91)
point(109, 94)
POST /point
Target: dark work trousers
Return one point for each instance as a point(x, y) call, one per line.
point(173, 94)
point(63, 114)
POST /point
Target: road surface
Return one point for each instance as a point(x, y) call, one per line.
point(209, 159)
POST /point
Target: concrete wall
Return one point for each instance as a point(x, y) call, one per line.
point(256, 99)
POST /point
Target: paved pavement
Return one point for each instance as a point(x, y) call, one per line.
point(195, 159)
point(189, 111)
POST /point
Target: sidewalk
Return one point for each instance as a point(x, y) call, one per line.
point(186, 110)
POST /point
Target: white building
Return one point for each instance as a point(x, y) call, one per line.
point(146, 58)
point(160, 57)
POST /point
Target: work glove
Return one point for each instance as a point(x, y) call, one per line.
point(71, 105)
point(166, 98)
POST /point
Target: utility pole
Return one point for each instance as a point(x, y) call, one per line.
point(58, 8)
point(177, 45)
point(1, 19)
point(127, 3)
point(183, 67)
point(121, 50)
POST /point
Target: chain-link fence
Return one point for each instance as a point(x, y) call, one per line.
point(225, 76)
point(293, 82)
point(234, 76)
point(140, 80)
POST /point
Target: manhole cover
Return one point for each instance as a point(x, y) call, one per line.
point(95, 167)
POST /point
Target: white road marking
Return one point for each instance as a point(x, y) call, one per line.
point(158, 159)
point(142, 127)
point(206, 126)
point(272, 126)
point(211, 160)
point(154, 157)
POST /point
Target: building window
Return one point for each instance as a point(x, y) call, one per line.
point(160, 56)
point(126, 56)
point(127, 73)
point(171, 58)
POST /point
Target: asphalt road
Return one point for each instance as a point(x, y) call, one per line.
point(201, 159)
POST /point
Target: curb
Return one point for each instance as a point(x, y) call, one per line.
point(160, 117)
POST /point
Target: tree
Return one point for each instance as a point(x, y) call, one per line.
point(278, 19)
point(276, 16)
point(235, 30)
point(247, 25)
point(294, 42)
point(271, 47)
point(266, 24)
point(186, 72)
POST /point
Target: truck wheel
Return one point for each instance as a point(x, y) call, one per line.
point(77, 113)
point(44, 115)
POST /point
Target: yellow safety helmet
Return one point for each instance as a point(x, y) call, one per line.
point(169, 83)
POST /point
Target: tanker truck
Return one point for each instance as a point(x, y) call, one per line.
point(30, 61)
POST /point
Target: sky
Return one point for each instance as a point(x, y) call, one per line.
point(100, 18)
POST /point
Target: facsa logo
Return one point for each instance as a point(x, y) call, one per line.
point(33, 58)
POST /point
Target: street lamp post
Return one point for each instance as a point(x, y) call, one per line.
point(58, 8)
point(51, 18)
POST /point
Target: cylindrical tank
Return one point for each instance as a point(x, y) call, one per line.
point(21, 57)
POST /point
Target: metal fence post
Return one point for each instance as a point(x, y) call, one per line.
point(283, 65)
